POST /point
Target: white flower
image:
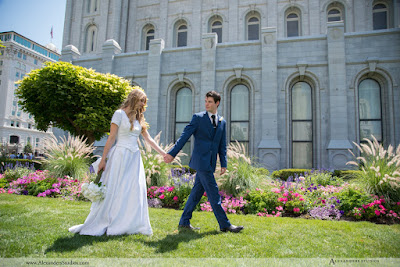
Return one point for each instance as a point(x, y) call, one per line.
point(221, 118)
point(93, 191)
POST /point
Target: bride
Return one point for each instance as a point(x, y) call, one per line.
point(124, 209)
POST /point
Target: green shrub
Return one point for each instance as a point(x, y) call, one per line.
point(40, 186)
point(351, 198)
point(284, 174)
point(259, 201)
point(70, 157)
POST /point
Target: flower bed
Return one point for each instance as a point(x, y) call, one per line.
point(298, 198)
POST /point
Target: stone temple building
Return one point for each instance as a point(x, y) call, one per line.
point(301, 80)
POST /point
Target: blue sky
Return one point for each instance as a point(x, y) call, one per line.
point(34, 19)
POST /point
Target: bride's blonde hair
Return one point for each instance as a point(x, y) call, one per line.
point(134, 110)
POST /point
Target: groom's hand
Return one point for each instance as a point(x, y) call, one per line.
point(168, 158)
point(223, 170)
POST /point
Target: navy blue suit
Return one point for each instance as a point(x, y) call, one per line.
point(208, 142)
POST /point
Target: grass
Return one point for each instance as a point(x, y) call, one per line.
point(34, 227)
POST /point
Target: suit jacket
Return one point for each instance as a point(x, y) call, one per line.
point(208, 142)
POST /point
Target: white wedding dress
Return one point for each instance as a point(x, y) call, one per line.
point(124, 209)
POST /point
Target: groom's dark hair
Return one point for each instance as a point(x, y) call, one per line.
point(216, 96)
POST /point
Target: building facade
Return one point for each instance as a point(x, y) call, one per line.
point(300, 79)
point(19, 56)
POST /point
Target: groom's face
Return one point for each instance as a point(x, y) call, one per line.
point(211, 106)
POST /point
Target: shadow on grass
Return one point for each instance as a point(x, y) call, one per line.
point(171, 241)
point(77, 241)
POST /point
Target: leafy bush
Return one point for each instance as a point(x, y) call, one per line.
point(241, 175)
point(71, 157)
point(41, 186)
point(381, 168)
point(284, 174)
point(351, 197)
point(154, 166)
point(259, 201)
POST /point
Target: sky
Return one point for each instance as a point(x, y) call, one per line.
point(34, 19)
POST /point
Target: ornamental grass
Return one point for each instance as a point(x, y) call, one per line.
point(70, 157)
point(381, 168)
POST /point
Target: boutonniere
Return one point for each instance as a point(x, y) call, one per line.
point(220, 119)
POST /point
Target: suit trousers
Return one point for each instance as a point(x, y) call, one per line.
point(205, 181)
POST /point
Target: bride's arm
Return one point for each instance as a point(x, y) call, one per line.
point(109, 143)
point(153, 144)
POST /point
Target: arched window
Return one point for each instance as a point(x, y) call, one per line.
point(370, 109)
point(149, 35)
point(253, 28)
point(380, 16)
point(302, 126)
point(91, 39)
point(293, 24)
point(216, 26)
point(335, 14)
point(181, 35)
point(183, 115)
point(240, 115)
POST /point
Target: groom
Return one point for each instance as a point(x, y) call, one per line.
point(209, 131)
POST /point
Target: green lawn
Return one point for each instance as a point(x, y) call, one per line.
point(38, 228)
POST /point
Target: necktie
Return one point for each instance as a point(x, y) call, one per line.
point(213, 118)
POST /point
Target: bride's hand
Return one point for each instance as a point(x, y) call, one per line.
point(102, 165)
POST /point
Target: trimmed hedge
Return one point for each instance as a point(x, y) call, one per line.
point(5, 161)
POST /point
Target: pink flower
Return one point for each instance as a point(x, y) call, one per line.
point(175, 198)
point(285, 194)
point(279, 208)
point(301, 199)
point(162, 196)
point(377, 212)
point(171, 189)
point(276, 190)
point(323, 201)
point(296, 209)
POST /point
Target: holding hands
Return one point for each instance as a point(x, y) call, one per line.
point(168, 158)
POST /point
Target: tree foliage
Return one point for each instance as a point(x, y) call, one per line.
point(79, 100)
point(28, 148)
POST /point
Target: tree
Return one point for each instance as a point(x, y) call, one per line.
point(28, 148)
point(72, 98)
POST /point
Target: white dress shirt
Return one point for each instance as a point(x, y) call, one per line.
point(216, 117)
